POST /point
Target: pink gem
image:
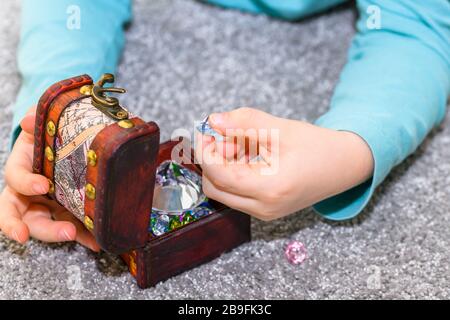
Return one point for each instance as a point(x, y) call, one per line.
point(296, 252)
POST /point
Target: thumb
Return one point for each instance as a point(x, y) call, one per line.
point(235, 122)
point(28, 122)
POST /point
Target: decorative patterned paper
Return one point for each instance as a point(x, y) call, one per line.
point(78, 125)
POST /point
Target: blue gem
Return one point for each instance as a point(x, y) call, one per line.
point(200, 212)
point(205, 128)
point(160, 225)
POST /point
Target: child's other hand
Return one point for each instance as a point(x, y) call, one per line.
point(24, 212)
point(304, 165)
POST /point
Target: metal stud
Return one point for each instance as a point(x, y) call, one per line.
point(51, 128)
point(49, 154)
point(92, 158)
point(126, 124)
point(86, 90)
point(88, 223)
point(90, 191)
point(122, 114)
point(51, 186)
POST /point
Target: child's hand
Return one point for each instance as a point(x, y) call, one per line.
point(24, 212)
point(304, 165)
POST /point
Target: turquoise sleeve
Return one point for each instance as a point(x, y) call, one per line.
point(283, 9)
point(393, 90)
point(63, 38)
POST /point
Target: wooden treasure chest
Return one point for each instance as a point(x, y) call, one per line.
point(108, 168)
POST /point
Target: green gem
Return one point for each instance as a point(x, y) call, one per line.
point(176, 169)
point(188, 218)
point(174, 223)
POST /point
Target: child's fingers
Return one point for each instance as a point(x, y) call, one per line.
point(243, 121)
point(237, 202)
point(238, 179)
point(12, 226)
point(229, 149)
point(42, 227)
point(249, 128)
point(28, 122)
point(234, 177)
point(202, 142)
point(24, 182)
point(83, 236)
point(18, 173)
point(11, 219)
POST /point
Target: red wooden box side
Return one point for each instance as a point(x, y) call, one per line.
point(191, 245)
point(124, 178)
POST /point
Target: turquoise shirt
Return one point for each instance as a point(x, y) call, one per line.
point(392, 91)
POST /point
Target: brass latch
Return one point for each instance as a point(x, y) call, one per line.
point(107, 104)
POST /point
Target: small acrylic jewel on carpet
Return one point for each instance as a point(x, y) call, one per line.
point(296, 252)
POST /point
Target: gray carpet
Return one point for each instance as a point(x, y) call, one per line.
point(183, 60)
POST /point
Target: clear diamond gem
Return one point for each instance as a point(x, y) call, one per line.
point(177, 189)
